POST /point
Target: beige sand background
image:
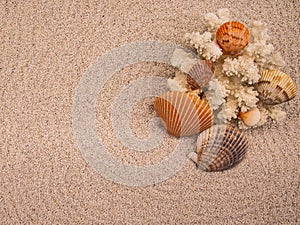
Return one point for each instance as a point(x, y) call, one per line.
point(45, 49)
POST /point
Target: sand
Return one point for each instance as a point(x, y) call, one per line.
point(46, 50)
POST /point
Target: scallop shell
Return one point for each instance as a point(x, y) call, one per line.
point(232, 37)
point(276, 87)
point(251, 117)
point(183, 114)
point(200, 74)
point(219, 148)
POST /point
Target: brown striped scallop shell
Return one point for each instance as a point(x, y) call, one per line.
point(183, 114)
point(200, 74)
point(219, 147)
point(276, 87)
point(232, 37)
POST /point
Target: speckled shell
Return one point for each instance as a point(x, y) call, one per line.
point(220, 147)
point(232, 37)
point(183, 114)
point(251, 117)
point(276, 87)
point(200, 74)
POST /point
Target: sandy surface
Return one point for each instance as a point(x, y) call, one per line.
point(45, 50)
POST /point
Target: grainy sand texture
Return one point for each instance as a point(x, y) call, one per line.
point(48, 47)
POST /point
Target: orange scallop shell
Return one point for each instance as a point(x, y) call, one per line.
point(232, 37)
point(183, 114)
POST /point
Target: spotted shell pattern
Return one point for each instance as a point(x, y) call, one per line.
point(220, 147)
point(183, 114)
point(232, 37)
point(276, 87)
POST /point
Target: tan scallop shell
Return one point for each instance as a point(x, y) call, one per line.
point(232, 37)
point(276, 87)
point(251, 117)
point(183, 114)
point(219, 148)
point(200, 74)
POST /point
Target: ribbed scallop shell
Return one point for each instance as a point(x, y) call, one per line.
point(200, 74)
point(232, 37)
point(183, 114)
point(220, 147)
point(276, 87)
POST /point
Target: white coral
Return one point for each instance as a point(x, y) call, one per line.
point(223, 13)
point(178, 83)
point(246, 97)
point(230, 67)
point(229, 110)
point(274, 62)
point(212, 21)
point(243, 67)
point(183, 60)
point(197, 39)
point(259, 50)
point(264, 56)
point(211, 51)
point(216, 93)
point(259, 32)
point(215, 21)
point(206, 48)
point(263, 53)
point(232, 88)
point(276, 113)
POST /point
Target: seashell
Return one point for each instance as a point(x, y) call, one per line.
point(232, 37)
point(251, 117)
point(200, 74)
point(276, 87)
point(219, 147)
point(183, 114)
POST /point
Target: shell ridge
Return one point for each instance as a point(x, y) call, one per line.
point(220, 147)
point(212, 149)
point(276, 87)
point(179, 108)
point(192, 117)
point(193, 125)
point(205, 116)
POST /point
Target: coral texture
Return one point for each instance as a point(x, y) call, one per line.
point(233, 88)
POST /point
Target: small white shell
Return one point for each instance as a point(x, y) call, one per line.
point(183, 114)
point(251, 117)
